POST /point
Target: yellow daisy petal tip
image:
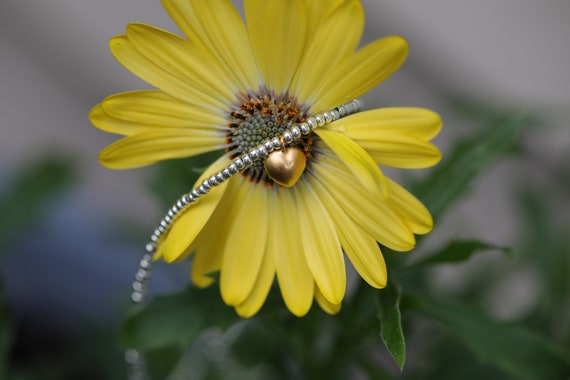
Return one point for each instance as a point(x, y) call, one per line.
point(327, 306)
point(117, 41)
point(297, 313)
point(157, 256)
point(379, 283)
point(95, 113)
point(242, 314)
point(170, 257)
point(399, 45)
point(298, 309)
point(106, 159)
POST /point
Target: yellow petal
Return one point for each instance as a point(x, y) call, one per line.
point(318, 12)
point(209, 245)
point(246, 244)
point(125, 52)
point(103, 121)
point(320, 244)
point(258, 294)
point(156, 109)
point(415, 214)
point(150, 146)
point(362, 250)
point(376, 216)
point(277, 34)
point(207, 260)
point(337, 37)
point(372, 125)
point(401, 151)
point(360, 72)
point(188, 224)
point(356, 159)
point(216, 26)
point(183, 60)
point(325, 304)
point(295, 279)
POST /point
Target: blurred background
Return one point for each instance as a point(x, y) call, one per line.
point(72, 231)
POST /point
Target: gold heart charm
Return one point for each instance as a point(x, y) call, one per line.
point(285, 166)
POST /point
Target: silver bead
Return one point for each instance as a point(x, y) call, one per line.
point(212, 181)
point(311, 123)
point(304, 127)
point(247, 159)
point(150, 248)
point(268, 147)
point(131, 356)
point(357, 105)
point(253, 154)
point(195, 194)
point(206, 184)
point(287, 137)
point(239, 163)
point(328, 117)
point(276, 143)
point(220, 177)
point(137, 297)
point(233, 168)
point(141, 275)
point(167, 219)
point(335, 115)
point(226, 173)
point(261, 151)
point(296, 132)
point(320, 120)
point(145, 264)
point(137, 286)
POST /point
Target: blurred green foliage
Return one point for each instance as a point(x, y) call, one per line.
point(28, 196)
point(24, 202)
point(192, 335)
point(6, 332)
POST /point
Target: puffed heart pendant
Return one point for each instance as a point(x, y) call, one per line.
point(285, 166)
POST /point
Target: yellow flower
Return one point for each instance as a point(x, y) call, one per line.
point(231, 85)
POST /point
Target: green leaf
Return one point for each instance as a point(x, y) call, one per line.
point(27, 197)
point(546, 244)
point(175, 319)
point(461, 250)
point(453, 177)
point(520, 352)
point(391, 323)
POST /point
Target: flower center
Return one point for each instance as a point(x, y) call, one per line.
point(258, 118)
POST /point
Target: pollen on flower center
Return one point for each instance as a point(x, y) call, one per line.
point(255, 119)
